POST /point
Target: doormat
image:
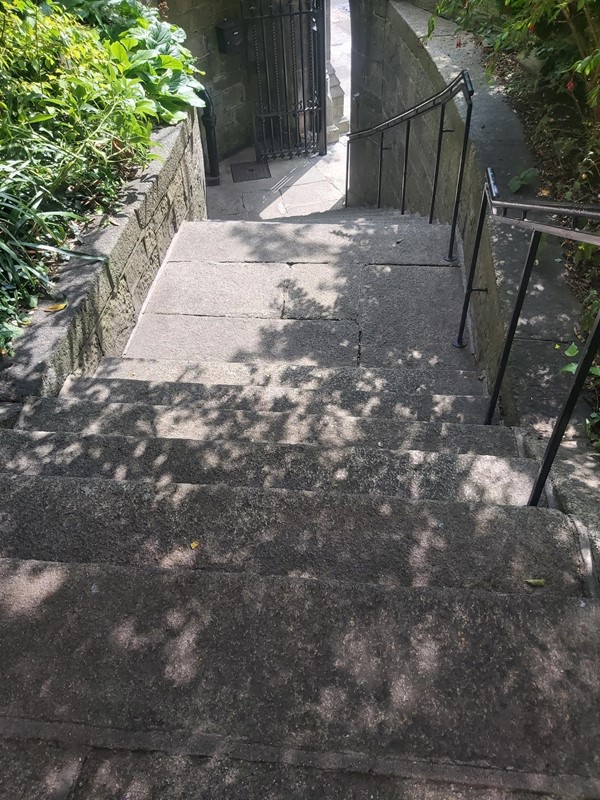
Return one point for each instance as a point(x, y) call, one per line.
point(250, 171)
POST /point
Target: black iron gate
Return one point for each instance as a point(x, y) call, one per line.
point(285, 41)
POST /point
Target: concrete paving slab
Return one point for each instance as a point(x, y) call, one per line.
point(302, 196)
point(428, 675)
point(323, 291)
point(384, 541)
point(410, 379)
point(400, 404)
point(395, 326)
point(333, 428)
point(357, 470)
point(154, 776)
point(263, 204)
point(405, 242)
point(261, 199)
point(229, 290)
point(171, 336)
point(38, 770)
point(227, 204)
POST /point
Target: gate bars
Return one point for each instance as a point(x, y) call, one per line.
point(286, 53)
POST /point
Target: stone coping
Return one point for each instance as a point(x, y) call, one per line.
point(105, 296)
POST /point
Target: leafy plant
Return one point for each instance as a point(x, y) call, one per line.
point(148, 49)
point(76, 110)
point(564, 34)
point(524, 178)
point(591, 311)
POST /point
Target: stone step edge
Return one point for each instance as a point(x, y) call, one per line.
point(350, 760)
point(34, 435)
point(181, 743)
point(328, 414)
point(266, 366)
point(163, 496)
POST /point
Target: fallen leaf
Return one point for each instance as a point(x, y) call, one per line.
point(535, 582)
point(56, 307)
point(195, 545)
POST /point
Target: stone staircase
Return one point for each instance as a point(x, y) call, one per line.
point(272, 553)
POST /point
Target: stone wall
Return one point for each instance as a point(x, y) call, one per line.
point(105, 296)
point(226, 75)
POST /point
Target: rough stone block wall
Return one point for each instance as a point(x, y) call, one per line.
point(226, 75)
point(106, 296)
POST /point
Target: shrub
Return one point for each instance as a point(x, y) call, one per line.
point(76, 111)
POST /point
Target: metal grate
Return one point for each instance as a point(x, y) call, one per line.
point(250, 171)
point(286, 58)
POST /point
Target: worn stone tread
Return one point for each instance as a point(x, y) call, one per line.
point(40, 770)
point(341, 240)
point(385, 541)
point(400, 404)
point(443, 380)
point(108, 776)
point(443, 676)
point(413, 474)
point(332, 428)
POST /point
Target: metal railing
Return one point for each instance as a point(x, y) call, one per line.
point(539, 218)
point(460, 85)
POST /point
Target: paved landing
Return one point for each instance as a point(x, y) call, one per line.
point(350, 293)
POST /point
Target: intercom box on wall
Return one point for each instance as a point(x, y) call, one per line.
point(230, 36)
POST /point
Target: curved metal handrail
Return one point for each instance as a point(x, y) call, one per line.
point(498, 210)
point(460, 84)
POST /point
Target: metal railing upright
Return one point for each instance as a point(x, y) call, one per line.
point(539, 218)
point(460, 85)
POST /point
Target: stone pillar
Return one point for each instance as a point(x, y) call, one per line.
point(337, 123)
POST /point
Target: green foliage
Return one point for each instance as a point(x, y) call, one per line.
point(524, 178)
point(591, 307)
point(148, 49)
point(564, 34)
point(76, 111)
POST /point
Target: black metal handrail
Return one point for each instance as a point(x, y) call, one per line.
point(547, 221)
point(459, 85)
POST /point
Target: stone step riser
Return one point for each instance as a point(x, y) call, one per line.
point(440, 380)
point(412, 474)
point(329, 429)
point(423, 675)
point(387, 542)
point(212, 399)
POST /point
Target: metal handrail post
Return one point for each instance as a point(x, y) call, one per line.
point(459, 341)
point(514, 321)
point(591, 349)
point(459, 184)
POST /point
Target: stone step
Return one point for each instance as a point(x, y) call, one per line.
point(99, 774)
point(399, 404)
point(444, 380)
point(359, 470)
point(385, 541)
point(345, 239)
point(334, 429)
point(216, 661)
